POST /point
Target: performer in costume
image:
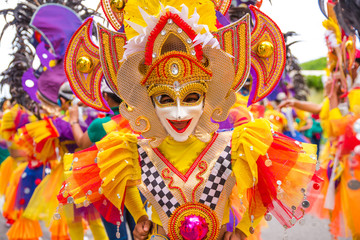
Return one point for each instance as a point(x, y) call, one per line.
point(95, 132)
point(7, 162)
point(27, 174)
point(54, 26)
point(174, 78)
point(339, 114)
point(53, 138)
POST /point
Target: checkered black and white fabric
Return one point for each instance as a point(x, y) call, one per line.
point(156, 185)
point(217, 179)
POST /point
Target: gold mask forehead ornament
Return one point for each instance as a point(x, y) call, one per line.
point(178, 91)
point(163, 45)
point(176, 66)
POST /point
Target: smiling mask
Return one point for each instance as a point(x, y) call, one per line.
point(179, 108)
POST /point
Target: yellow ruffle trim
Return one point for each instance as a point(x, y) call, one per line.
point(7, 124)
point(45, 136)
point(249, 141)
point(117, 123)
point(119, 165)
point(117, 168)
point(41, 130)
point(8, 128)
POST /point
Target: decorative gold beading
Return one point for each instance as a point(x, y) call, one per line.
point(84, 64)
point(181, 92)
point(176, 66)
point(117, 5)
point(197, 209)
point(265, 49)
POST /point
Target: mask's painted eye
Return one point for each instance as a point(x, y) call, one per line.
point(192, 98)
point(164, 99)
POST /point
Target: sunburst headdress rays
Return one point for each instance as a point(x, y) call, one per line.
point(142, 18)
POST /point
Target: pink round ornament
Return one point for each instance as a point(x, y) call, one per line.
point(194, 228)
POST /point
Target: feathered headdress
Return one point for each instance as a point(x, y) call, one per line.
point(174, 43)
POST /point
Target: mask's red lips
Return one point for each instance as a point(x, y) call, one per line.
point(179, 126)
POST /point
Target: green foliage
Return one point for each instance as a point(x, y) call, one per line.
point(314, 82)
point(317, 64)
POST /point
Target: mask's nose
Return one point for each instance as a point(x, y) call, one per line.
point(180, 113)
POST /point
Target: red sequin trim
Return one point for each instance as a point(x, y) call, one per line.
point(203, 166)
point(159, 27)
point(166, 175)
point(193, 166)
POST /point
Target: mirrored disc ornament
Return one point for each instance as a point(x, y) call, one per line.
point(268, 217)
point(86, 203)
point(354, 184)
point(70, 200)
point(358, 136)
point(57, 216)
point(357, 126)
point(305, 204)
point(357, 150)
point(302, 222)
point(268, 163)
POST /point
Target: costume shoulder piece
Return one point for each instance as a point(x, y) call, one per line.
point(272, 172)
point(100, 174)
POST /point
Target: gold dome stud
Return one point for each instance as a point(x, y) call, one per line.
point(265, 49)
point(349, 45)
point(84, 64)
point(117, 5)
